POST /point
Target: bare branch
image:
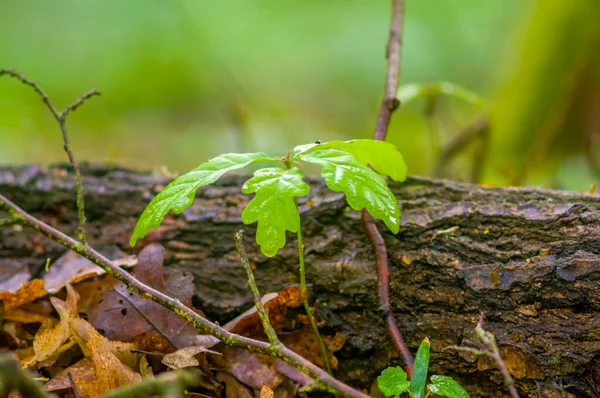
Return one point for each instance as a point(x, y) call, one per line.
point(61, 119)
point(491, 350)
point(390, 101)
point(388, 105)
point(147, 292)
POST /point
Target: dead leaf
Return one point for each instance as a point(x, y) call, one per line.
point(83, 370)
point(145, 368)
point(13, 275)
point(249, 324)
point(265, 392)
point(27, 293)
point(72, 267)
point(304, 342)
point(249, 368)
point(123, 315)
point(185, 357)
point(233, 388)
point(49, 341)
point(110, 372)
point(21, 315)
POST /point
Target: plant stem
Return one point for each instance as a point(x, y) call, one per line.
point(311, 318)
point(263, 313)
point(389, 104)
point(61, 118)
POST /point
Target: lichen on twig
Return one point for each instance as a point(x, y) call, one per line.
point(61, 118)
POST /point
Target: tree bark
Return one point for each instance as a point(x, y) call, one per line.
point(528, 259)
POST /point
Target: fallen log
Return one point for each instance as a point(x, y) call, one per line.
point(528, 259)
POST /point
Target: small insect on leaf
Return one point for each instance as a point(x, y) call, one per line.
point(179, 194)
point(447, 387)
point(393, 381)
point(382, 156)
point(274, 206)
point(419, 376)
point(364, 188)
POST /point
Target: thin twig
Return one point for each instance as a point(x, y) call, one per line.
point(147, 292)
point(61, 118)
point(304, 293)
point(388, 106)
point(4, 222)
point(381, 259)
point(491, 350)
point(263, 313)
point(390, 101)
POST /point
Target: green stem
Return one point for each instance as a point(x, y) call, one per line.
point(311, 317)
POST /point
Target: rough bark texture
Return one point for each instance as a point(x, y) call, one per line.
point(527, 259)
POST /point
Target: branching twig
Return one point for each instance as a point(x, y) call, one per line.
point(19, 216)
point(263, 313)
point(491, 350)
point(388, 105)
point(390, 100)
point(61, 118)
point(147, 292)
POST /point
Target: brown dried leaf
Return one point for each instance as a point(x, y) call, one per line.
point(185, 357)
point(250, 368)
point(265, 392)
point(27, 293)
point(233, 388)
point(13, 275)
point(72, 267)
point(249, 324)
point(21, 315)
point(110, 372)
point(123, 315)
point(49, 341)
point(83, 370)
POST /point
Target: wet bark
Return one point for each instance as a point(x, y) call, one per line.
point(527, 259)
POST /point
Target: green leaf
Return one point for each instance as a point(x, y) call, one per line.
point(274, 206)
point(393, 381)
point(419, 376)
point(409, 92)
point(363, 187)
point(382, 156)
point(179, 194)
point(447, 387)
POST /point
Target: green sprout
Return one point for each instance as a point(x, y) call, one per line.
point(344, 167)
point(394, 381)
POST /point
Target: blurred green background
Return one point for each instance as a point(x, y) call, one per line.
point(185, 80)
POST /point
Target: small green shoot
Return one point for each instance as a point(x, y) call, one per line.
point(344, 167)
point(393, 381)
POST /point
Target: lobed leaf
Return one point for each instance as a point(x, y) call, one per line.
point(382, 156)
point(179, 194)
point(421, 366)
point(393, 381)
point(447, 387)
point(274, 206)
point(363, 187)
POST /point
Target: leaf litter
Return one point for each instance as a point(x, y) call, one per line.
point(122, 339)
